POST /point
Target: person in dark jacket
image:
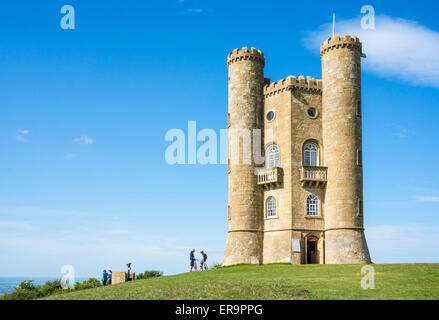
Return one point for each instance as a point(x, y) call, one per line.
point(192, 259)
point(104, 277)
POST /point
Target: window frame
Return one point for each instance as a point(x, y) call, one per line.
point(360, 207)
point(359, 157)
point(266, 115)
point(316, 206)
point(276, 160)
point(315, 111)
point(358, 109)
point(271, 200)
point(317, 154)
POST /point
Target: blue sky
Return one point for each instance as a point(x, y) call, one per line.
point(84, 112)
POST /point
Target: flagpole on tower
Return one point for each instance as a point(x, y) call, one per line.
point(333, 25)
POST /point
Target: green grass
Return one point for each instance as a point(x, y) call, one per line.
point(278, 281)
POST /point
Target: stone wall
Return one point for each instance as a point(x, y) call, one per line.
point(121, 276)
point(277, 233)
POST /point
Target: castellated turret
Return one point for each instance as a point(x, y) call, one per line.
point(342, 138)
point(246, 82)
point(304, 204)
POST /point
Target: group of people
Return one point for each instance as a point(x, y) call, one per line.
point(107, 277)
point(203, 259)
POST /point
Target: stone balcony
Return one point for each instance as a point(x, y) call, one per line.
point(271, 177)
point(313, 175)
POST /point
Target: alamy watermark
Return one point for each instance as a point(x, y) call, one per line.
point(68, 20)
point(209, 147)
point(368, 280)
point(68, 277)
point(368, 20)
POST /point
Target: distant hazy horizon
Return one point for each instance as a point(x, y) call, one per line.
point(8, 284)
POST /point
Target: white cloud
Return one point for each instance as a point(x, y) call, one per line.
point(21, 135)
point(400, 132)
point(69, 155)
point(83, 140)
point(427, 199)
point(403, 243)
point(395, 48)
point(194, 10)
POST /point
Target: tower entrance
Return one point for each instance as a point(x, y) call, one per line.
point(312, 250)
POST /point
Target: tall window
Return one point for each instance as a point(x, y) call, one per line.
point(311, 155)
point(359, 157)
point(272, 156)
point(312, 205)
point(271, 207)
point(360, 207)
point(358, 108)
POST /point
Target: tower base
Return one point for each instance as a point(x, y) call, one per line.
point(243, 247)
point(346, 246)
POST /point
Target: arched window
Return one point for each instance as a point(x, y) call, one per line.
point(311, 155)
point(272, 156)
point(271, 207)
point(312, 205)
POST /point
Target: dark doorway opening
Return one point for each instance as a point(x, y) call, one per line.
point(312, 253)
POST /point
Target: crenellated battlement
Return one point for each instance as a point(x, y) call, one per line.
point(346, 42)
point(308, 84)
point(245, 54)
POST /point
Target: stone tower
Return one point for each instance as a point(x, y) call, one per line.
point(304, 205)
point(246, 84)
point(341, 123)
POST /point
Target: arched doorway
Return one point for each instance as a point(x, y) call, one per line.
point(312, 250)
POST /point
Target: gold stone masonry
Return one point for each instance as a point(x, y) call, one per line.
point(305, 204)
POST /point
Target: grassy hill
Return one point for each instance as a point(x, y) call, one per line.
point(278, 281)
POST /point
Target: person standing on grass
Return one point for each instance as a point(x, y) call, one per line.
point(192, 259)
point(104, 277)
point(203, 259)
point(110, 276)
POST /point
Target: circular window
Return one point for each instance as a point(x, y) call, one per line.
point(270, 115)
point(312, 112)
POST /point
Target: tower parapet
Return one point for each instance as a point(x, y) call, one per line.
point(347, 41)
point(308, 84)
point(245, 54)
